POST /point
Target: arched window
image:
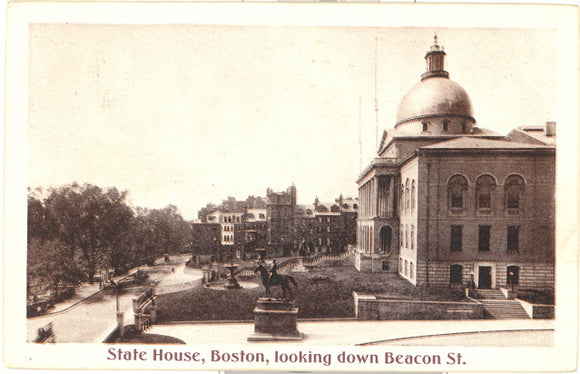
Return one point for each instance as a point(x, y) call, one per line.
point(407, 194)
point(456, 188)
point(413, 196)
point(484, 187)
point(514, 188)
point(456, 274)
point(411, 270)
point(386, 234)
point(412, 236)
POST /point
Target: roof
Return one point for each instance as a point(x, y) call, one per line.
point(435, 96)
point(537, 133)
point(480, 143)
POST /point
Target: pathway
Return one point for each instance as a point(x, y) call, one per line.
point(90, 316)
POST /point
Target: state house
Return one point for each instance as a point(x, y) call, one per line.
point(448, 203)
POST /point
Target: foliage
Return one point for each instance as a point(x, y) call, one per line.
point(76, 230)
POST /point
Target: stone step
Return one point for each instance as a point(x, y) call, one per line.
point(504, 309)
point(491, 294)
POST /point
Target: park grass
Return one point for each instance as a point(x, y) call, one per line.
point(322, 293)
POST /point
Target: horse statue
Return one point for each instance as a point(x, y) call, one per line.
point(275, 280)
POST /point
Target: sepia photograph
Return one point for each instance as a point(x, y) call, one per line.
point(290, 186)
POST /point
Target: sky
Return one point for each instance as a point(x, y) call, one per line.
point(189, 114)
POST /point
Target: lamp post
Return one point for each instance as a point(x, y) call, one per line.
point(511, 279)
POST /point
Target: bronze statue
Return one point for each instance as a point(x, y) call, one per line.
point(272, 278)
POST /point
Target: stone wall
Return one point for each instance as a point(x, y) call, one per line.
point(537, 311)
point(368, 307)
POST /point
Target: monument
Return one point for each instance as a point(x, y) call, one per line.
point(275, 319)
point(232, 282)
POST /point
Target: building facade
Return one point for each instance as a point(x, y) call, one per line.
point(448, 203)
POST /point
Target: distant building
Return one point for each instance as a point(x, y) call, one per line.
point(447, 203)
point(281, 228)
point(280, 208)
point(297, 229)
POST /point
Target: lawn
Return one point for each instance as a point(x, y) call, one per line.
point(323, 292)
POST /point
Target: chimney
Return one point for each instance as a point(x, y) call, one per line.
point(550, 128)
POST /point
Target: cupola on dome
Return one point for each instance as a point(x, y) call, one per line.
point(436, 104)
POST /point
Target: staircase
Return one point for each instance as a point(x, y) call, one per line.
point(490, 294)
point(496, 305)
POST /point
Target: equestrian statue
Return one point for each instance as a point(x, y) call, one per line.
point(271, 278)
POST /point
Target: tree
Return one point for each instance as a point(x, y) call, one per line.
point(89, 220)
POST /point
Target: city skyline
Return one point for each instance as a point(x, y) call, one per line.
point(192, 114)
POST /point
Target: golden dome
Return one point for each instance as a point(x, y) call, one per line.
point(434, 97)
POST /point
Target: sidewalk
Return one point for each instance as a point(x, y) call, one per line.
point(351, 333)
point(91, 315)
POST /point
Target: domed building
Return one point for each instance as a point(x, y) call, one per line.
point(448, 203)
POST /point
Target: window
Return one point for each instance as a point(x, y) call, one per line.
point(319, 241)
point(328, 242)
point(262, 216)
point(400, 265)
point(485, 186)
point(425, 126)
point(402, 198)
point(513, 275)
point(456, 238)
point(385, 265)
point(402, 236)
point(412, 236)
point(463, 127)
point(445, 125)
point(407, 195)
point(413, 203)
point(514, 188)
point(411, 270)
point(513, 239)
point(484, 234)
point(406, 268)
point(456, 188)
point(327, 228)
point(455, 274)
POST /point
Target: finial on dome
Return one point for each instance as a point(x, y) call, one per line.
point(435, 58)
point(435, 46)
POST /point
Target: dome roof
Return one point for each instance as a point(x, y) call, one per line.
point(435, 96)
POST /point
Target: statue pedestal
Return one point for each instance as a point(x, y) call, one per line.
point(275, 320)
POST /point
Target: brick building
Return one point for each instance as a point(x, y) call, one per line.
point(446, 202)
point(298, 229)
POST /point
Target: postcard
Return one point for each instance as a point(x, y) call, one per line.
point(291, 186)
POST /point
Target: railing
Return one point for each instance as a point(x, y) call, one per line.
point(314, 260)
point(45, 334)
point(145, 310)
